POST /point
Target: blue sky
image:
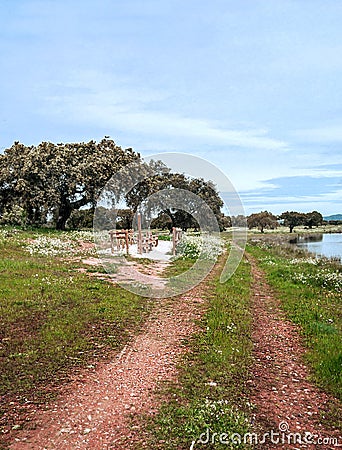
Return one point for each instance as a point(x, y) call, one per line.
point(253, 86)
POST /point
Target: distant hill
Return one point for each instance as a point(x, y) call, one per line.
point(333, 217)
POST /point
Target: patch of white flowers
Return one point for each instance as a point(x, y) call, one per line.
point(217, 407)
point(313, 261)
point(221, 411)
point(6, 235)
point(49, 280)
point(85, 236)
point(268, 261)
point(324, 278)
point(206, 246)
point(47, 246)
point(65, 245)
point(231, 327)
point(261, 244)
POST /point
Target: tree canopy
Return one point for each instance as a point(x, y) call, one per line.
point(262, 220)
point(313, 219)
point(60, 182)
point(294, 219)
point(165, 182)
point(57, 179)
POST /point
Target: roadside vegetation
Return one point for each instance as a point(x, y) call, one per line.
point(310, 290)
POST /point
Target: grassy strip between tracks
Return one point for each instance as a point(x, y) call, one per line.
point(211, 395)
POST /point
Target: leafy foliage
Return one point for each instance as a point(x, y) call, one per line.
point(262, 220)
point(163, 181)
point(313, 219)
point(292, 219)
point(163, 221)
point(57, 179)
point(60, 184)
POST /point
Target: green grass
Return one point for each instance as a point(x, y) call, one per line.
point(177, 267)
point(311, 296)
point(53, 319)
point(211, 392)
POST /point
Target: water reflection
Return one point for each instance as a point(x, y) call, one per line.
point(328, 245)
point(312, 238)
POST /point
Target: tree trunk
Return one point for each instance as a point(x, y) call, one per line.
point(65, 210)
point(172, 217)
point(61, 222)
point(63, 215)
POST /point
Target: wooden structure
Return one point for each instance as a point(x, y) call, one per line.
point(176, 237)
point(121, 239)
point(140, 250)
point(145, 242)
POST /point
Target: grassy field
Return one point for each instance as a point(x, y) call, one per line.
point(52, 317)
point(55, 319)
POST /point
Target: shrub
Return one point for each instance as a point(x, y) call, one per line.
point(209, 247)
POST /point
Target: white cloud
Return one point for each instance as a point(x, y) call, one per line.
point(171, 125)
point(93, 98)
point(327, 134)
point(331, 196)
point(328, 203)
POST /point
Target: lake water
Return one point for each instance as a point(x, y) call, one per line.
point(329, 245)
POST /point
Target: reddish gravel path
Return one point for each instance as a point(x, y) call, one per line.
point(281, 390)
point(94, 412)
